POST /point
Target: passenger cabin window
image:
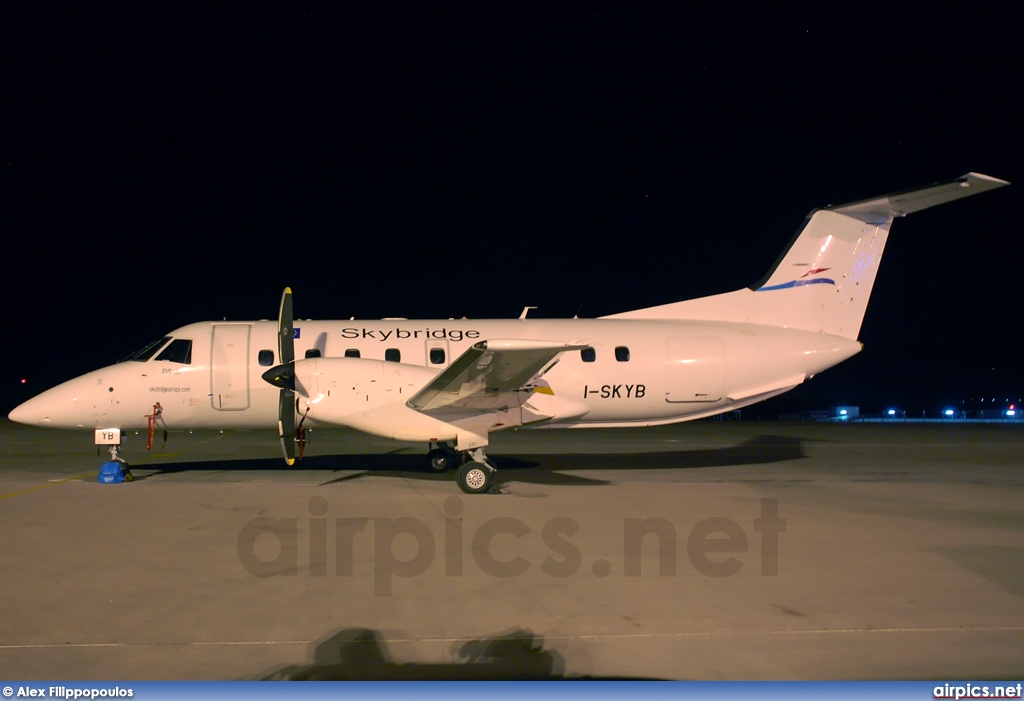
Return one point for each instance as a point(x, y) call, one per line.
point(589, 355)
point(313, 353)
point(266, 358)
point(622, 354)
point(352, 353)
point(179, 351)
point(393, 355)
point(147, 351)
point(437, 356)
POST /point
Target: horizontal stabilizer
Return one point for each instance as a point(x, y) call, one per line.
point(823, 281)
point(901, 204)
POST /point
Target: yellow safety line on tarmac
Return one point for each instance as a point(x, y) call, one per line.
point(84, 475)
point(547, 638)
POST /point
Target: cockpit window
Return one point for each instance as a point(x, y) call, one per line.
point(179, 351)
point(147, 351)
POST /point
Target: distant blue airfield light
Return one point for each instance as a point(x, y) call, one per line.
point(949, 412)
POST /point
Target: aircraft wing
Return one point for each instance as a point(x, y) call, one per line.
point(487, 376)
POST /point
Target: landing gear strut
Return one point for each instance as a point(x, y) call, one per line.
point(476, 475)
point(126, 469)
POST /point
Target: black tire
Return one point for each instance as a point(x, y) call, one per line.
point(441, 460)
point(474, 478)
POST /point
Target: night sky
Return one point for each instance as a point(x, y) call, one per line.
point(165, 163)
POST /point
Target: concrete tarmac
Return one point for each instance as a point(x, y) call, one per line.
point(698, 551)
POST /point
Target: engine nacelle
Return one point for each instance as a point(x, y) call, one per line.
point(368, 395)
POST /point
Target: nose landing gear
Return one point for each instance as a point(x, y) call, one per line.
point(126, 469)
point(111, 437)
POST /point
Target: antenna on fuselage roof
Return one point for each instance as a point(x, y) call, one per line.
point(526, 310)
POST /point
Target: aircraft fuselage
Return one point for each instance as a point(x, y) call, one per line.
point(633, 373)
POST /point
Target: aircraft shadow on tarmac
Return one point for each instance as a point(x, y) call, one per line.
point(359, 654)
point(545, 469)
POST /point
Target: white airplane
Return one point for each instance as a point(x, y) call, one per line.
point(451, 382)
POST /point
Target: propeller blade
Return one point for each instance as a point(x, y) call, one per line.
point(286, 425)
point(283, 376)
point(285, 323)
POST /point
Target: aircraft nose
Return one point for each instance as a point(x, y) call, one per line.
point(26, 413)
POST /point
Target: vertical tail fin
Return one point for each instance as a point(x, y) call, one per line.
point(823, 282)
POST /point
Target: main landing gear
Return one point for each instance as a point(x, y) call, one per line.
point(443, 458)
point(476, 475)
point(475, 472)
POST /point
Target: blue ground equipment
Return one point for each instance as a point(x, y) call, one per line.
point(111, 473)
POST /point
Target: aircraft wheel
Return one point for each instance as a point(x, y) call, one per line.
point(474, 478)
point(440, 459)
